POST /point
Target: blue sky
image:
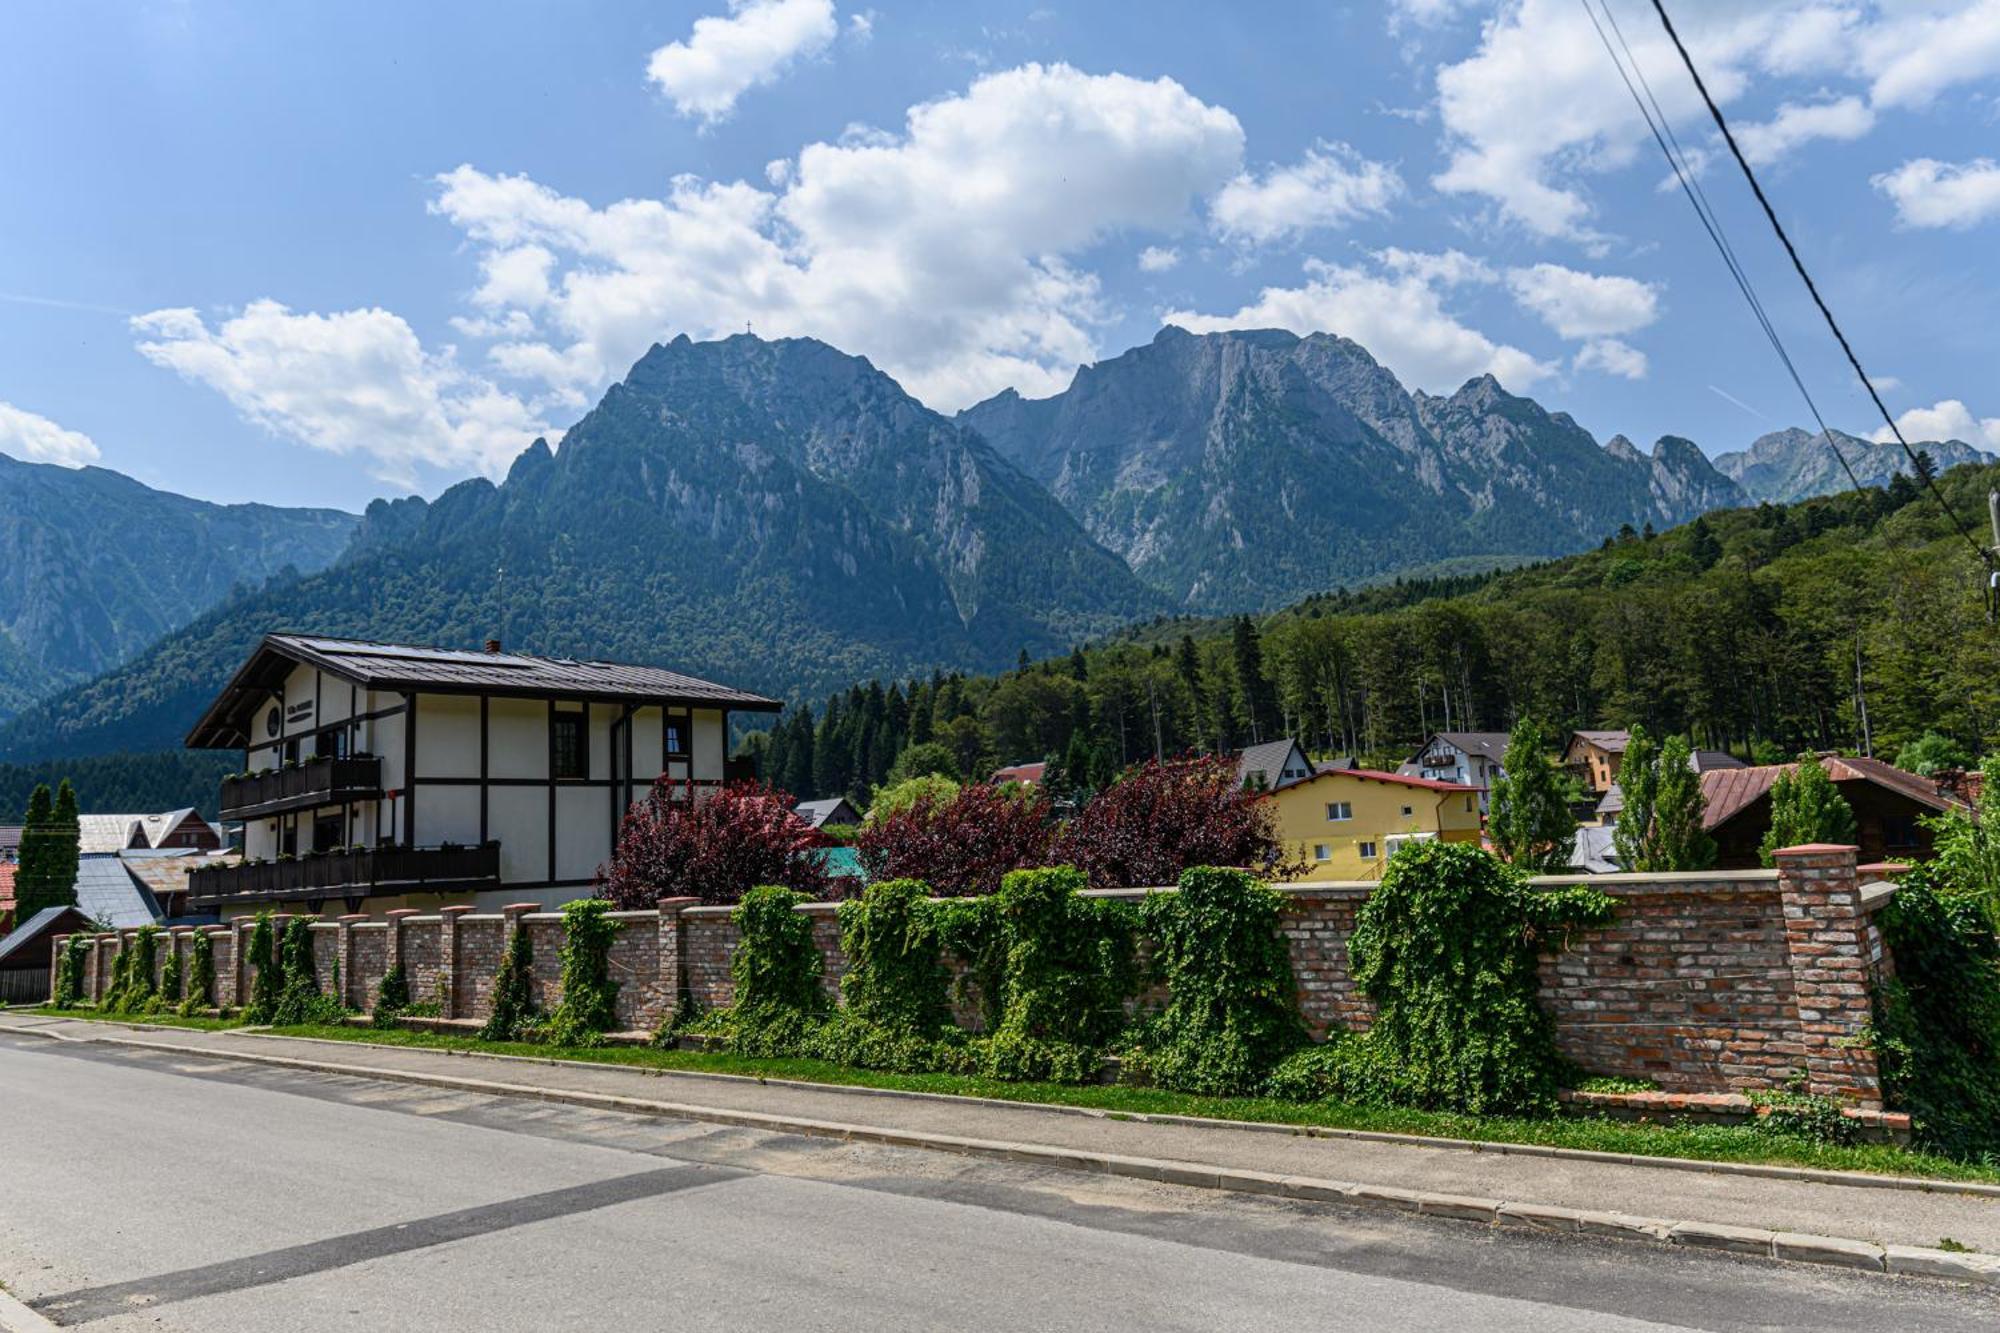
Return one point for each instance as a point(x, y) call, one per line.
point(314, 254)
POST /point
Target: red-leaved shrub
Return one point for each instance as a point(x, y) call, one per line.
point(1160, 818)
point(962, 845)
point(674, 844)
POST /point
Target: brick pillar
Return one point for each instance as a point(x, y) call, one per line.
point(241, 928)
point(107, 956)
point(181, 936)
point(1826, 937)
point(448, 959)
point(673, 956)
point(392, 942)
point(222, 939)
point(344, 951)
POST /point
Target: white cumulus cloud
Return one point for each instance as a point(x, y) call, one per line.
point(1395, 307)
point(725, 57)
point(352, 382)
point(1929, 193)
point(1797, 123)
point(1331, 186)
point(1537, 109)
point(1584, 305)
point(1158, 258)
point(36, 439)
point(1946, 420)
point(1612, 356)
point(942, 252)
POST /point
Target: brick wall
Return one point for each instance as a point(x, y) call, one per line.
point(1712, 982)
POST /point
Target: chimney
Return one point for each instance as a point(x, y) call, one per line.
point(493, 645)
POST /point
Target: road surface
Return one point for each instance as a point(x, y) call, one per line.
point(143, 1190)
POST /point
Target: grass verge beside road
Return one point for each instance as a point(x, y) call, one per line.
point(144, 1020)
point(1710, 1143)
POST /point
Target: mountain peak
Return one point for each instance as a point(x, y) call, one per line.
point(1618, 446)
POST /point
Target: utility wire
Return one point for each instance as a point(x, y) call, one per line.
point(1690, 183)
point(1923, 474)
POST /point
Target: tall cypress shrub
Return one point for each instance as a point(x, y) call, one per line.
point(1529, 820)
point(1806, 807)
point(1678, 810)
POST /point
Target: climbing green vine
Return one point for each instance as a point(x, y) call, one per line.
point(68, 991)
point(392, 997)
point(1232, 1012)
point(587, 1008)
point(300, 999)
point(200, 978)
point(269, 981)
point(1446, 947)
point(513, 1016)
point(1937, 1022)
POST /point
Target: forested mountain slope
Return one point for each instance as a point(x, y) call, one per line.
point(95, 566)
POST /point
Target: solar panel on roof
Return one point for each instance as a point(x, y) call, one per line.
point(345, 648)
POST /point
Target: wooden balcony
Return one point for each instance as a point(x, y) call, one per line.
point(316, 782)
point(348, 874)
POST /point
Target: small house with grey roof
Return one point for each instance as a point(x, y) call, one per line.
point(380, 775)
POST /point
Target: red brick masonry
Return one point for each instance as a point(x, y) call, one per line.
point(1720, 982)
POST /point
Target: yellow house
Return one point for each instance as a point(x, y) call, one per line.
point(1346, 822)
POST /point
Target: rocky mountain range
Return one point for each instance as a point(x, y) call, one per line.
point(784, 516)
point(1246, 470)
point(95, 566)
point(1794, 464)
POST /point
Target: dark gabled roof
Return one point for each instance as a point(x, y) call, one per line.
point(49, 918)
point(398, 666)
point(1266, 764)
point(821, 811)
point(1611, 742)
point(10, 841)
point(1492, 744)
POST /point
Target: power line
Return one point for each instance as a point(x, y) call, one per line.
point(1923, 474)
point(1663, 134)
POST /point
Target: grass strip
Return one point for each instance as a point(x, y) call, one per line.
point(1705, 1143)
point(140, 1020)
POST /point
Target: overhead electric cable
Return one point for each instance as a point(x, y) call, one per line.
point(1923, 474)
point(1670, 146)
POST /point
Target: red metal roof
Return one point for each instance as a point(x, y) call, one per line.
point(1022, 773)
point(1729, 791)
point(1397, 779)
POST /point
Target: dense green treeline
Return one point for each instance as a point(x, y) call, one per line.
point(123, 783)
point(1848, 621)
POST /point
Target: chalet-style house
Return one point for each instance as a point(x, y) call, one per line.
point(1026, 775)
point(1700, 761)
point(828, 810)
point(1272, 765)
point(1594, 756)
point(1888, 806)
point(183, 830)
point(1465, 758)
point(385, 775)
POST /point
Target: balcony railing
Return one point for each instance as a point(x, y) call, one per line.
point(348, 874)
point(320, 781)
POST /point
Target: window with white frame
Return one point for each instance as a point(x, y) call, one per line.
point(1339, 810)
point(1367, 850)
point(1321, 852)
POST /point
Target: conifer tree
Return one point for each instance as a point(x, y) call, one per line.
point(1678, 808)
point(46, 875)
point(1806, 807)
point(1638, 784)
point(1528, 817)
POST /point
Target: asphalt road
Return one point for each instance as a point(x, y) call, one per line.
point(140, 1190)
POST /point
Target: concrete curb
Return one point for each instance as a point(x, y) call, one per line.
point(1834, 1251)
point(1762, 1170)
point(18, 1318)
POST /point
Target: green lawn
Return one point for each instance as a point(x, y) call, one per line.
point(147, 1020)
point(1711, 1143)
